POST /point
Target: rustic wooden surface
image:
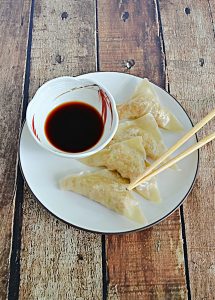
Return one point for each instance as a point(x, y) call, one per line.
point(13, 42)
point(172, 43)
point(191, 75)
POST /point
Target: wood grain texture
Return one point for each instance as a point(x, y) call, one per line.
point(58, 261)
point(14, 19)
point(129, 39)
point(148, 264)
point(211, 9)
point(190, 55)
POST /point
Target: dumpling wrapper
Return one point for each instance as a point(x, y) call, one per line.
point(147, 127)
point(126, 157)
point(145, 100)
point(107, 188)
point(149, 190)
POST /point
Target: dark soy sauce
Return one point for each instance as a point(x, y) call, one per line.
point(74, 127)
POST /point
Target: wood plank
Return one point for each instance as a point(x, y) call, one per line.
point(211, 8)
point(58, 261)
point(129, 39)
point(14, 19)
point(190, 51)
point(148, 264)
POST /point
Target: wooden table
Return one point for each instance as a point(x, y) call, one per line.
point(173, 44)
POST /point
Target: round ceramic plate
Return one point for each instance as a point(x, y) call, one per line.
point(42, 171)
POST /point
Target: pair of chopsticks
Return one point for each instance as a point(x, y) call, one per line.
point(154, 169)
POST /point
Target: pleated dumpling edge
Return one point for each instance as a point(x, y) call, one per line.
point(145, 100)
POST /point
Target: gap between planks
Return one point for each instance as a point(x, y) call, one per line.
point(14, 277)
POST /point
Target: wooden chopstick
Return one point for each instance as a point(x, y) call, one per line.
point(178, 144)
point(174, 160)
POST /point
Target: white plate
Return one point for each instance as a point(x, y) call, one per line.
point(42, 170)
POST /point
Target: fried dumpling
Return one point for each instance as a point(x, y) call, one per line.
point(126, 157)
point(145, 100)
point(107, 188)
point(147, 127)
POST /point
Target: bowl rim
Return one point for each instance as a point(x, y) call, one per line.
point(85, 153)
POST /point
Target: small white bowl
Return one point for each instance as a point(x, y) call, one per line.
point(67, 89)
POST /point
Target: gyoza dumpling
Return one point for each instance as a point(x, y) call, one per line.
point(145, 100)
point(107, 188)
point(149, 190)
point(127, 158)
point(146, 127)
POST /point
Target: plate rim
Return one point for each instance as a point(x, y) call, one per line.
point(117, 232)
